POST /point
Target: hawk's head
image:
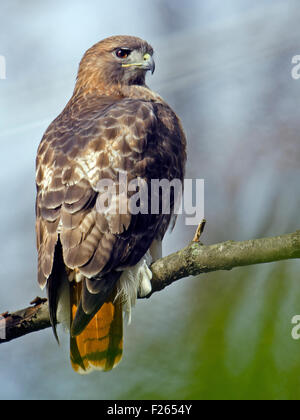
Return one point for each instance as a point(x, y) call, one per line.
point(122, 60)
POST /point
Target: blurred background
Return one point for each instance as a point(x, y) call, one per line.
point(225, 67)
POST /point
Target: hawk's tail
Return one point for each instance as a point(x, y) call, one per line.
point(99, 346)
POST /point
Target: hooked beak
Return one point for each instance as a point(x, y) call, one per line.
point(148, 63)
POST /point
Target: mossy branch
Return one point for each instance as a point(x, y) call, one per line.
point(192, 260)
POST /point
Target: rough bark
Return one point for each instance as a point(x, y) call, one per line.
point(192, 260)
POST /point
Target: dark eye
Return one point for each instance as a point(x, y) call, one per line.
point(123, 52)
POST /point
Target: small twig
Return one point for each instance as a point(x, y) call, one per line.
point(199, 231)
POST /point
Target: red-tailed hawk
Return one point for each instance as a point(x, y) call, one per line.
point(94, 261)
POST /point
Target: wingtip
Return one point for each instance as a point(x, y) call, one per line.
point(54, 329)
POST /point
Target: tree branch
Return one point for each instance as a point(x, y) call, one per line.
point(196, 258)
point(193, 260)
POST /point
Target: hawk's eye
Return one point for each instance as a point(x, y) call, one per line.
point(123, 52)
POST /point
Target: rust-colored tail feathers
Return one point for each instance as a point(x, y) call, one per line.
point(99, 346)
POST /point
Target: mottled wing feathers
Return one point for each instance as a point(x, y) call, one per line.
point(88, 142)
point(98, 138)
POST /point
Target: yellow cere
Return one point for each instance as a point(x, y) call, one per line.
point(146, 57)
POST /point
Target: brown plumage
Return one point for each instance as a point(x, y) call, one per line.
point(113, 123)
